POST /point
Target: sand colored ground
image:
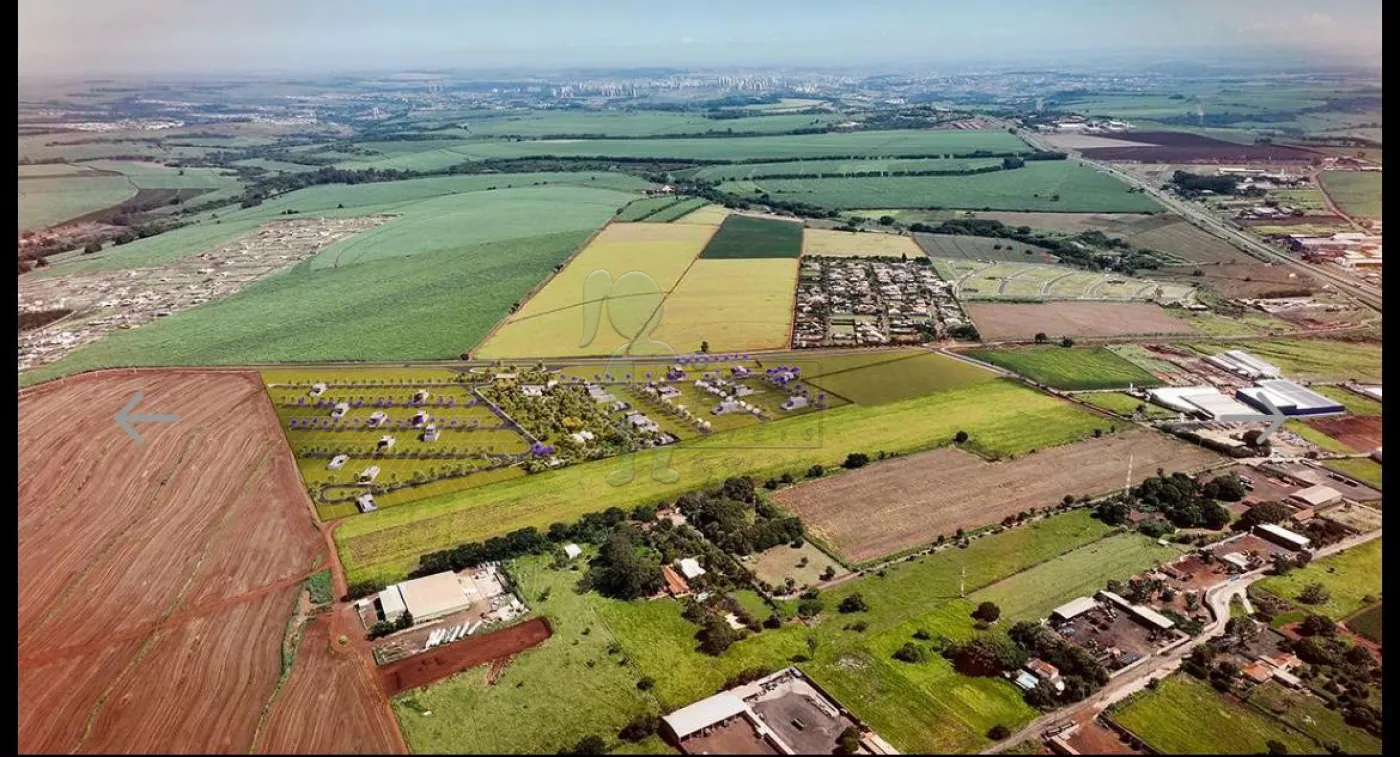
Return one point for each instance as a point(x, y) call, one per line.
point(552, 322)
point(847, 243)
point(741, 304)
point(1024, 320)
point(156, 580)
point(888, 507)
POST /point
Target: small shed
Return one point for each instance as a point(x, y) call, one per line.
point(1282, 536)
point(1237, 560)
point(430, 433)
point(572, 550)
point(1316, 496)
point(1073, 609)
point(386, 442)
point(365, 503)
point(317, 390)
point(369, 474)
point(337, 462)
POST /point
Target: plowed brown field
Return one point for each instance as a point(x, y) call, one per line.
point(1361, 433)
point(891, 506)
point(1015, 320)
point(423, 669)
point(156, 580)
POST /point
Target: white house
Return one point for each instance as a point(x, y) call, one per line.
point(337, 462)
point(690, 567)
point(572, 550)
point(369, 474)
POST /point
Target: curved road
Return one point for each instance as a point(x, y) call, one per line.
point(1217, 598)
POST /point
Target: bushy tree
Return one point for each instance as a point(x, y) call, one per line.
point(1314, 594)
point(910, 652)
point(856, 460)
point(623, 571)
point(987, 612)
point(853, 603)
point(809, 608)
point(717, 636)
point(849, 740)
point(1265, 512)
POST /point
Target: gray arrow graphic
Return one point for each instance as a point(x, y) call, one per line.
point(1275, 417)
point(125, 418)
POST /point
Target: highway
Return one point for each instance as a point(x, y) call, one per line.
point(1119, 688)
point(1367, 294)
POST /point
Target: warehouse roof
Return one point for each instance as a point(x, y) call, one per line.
point(433, 595)
point(704, 713)
point(1283, 533)
point(1316, 496)
point(1289, 398)
point(1074, 608)
point(392, 602)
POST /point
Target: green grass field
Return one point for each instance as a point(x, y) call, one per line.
point(1365, 470)
point(1310, 715)
point(926, 707)
point(1367, 623)
point(639, 210)
point(1032, 594)
point(750, 237)
point(1124, 404)
point(1092, 368)
point(1355, 404)
point(1033, 187)
point(48, 200)
point(900, 376)
point(959, 246)
point(1184, 715)
point(1004, 417)
point(749, 171)
point(1317, 359)
point(679, 210)
point(1357, 192)
point(1348, 577)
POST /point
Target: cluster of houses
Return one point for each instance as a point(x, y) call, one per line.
point(140, 295)
point(869, 301)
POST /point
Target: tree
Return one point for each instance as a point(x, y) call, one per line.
point(1266, 512)
point(849, 740)
point(1214, 516)
point(1314, 594)
point(853, 603)
point(815, 471)
point(641, 727)
point(1113, 512)
point(592, 744)
point(987, 612)
point(1318, 625)
point(705, 347)
point(1066, 342)
point(886, 220)
point(910, 652)
point(1041, 337)
point(829, 573)
point(1276, 747)
point(987, 656)
point(622, 572)
point(92, 247)
point(960, 438)
point(645, 683)
point(717, 635)
point(855, 460)
point(809, 608)
point(1042, 696)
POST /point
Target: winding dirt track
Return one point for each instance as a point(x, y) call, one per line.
point(157, 580)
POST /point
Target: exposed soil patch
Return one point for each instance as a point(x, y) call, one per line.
point(1024, 320)
point(445, 661)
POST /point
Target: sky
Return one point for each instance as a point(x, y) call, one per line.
point(120, 37)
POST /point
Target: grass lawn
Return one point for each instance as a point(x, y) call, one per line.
point(1050, 185)
point(1355, 404)
point(742, 236)
point(1367, 623)
point(1032, 594)
point(1184, 715)
point(1124, 404)
point(1093, 368)
point(1316, 359)
point(1348, 577)
point(900, 376)
point(1310, 715)
point(1357, 192)
point(1362, 469)
point(1004, 417)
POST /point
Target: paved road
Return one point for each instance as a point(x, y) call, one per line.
point(1367, 294)
point(1217, 598)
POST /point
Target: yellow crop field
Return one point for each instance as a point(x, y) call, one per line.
point(849, 243)
point(739, 304)
point(552, 323)
point(710, 215)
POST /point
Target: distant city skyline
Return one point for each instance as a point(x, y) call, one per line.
point(134, 37)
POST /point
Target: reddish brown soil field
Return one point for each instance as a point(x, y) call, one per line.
point(156, 580)
point(423, 669)
point(1360, 433)
point(330, 704)
point(896, 505)
point(1015, 320)
point(1183, 147)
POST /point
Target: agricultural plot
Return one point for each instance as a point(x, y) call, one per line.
point(1365, 470)
point(48, 200)
point(1311, 715)
point(1124, 404)
point(978, 279)
point(553, 320)
point(1161, 232)
point(803, 565)
point(898, 376)
point(641, 210)
point(709, 215)
point(1357, 192)
point(914, 500)
point(1310, 359)
point(1020, 321)
point(1184, 715)
point(1142, 358)
point(829, 243)
point(679, 210)
point(741, 236)
point(1032, 594)
point(1367, 623)
point(1361, 434)
point(1002, 418)
point(960, 247)
point(730, 304)
point(187, 561)
point(1060, 368)
point(1348, 577)
point(1047, 185)
point(752, 171)
point(1183, 147)
point(1355, 403)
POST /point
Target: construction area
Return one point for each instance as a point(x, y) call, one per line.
point(1119, 633)
point(445, 608)
point(105, 301)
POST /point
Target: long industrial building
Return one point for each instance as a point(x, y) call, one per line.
point(1289, 398)
point(1244, 364)
point(1201, 401)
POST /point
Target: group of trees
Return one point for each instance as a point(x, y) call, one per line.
point(1187, 503)
point(1094, 250)
point(1080, 673)
point(723, 516)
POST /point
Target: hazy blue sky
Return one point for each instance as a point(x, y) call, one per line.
point(189, 36)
